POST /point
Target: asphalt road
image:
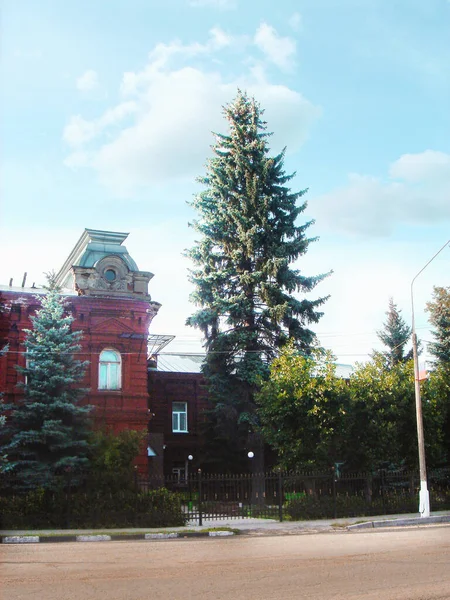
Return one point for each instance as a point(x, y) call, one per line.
point(406, 564)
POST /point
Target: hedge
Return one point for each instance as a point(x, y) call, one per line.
point(81, 510)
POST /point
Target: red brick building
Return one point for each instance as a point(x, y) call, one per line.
point(178, 402)
point(108, 297)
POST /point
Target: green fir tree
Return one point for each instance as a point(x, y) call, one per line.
point(439, 310)
point(47, 432)
point(395, 335)
point(251, 299)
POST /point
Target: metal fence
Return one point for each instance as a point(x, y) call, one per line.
point(211, 497)
point(312, 495)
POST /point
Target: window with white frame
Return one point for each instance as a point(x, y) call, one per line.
point(109, 370)
point(179, 417)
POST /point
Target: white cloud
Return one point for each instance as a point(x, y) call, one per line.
point(295, 21)
point(278, 50)
point(219, 38)
point(77, 160)
point(163, 56)
point(163, 133)
point(417, 192)
point(428, 165)
point(88, 82)
point(79, 131)
point(220, 4)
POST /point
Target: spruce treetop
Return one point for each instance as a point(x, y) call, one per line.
point(395, 335)
point(249, 237)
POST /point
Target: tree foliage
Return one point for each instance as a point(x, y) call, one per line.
point(439, 309)
point(382, 428)
point(112, 456)
point(313, 419)
point(47, 432)
point(303, 409)
point(395, 335)
point(245, 286)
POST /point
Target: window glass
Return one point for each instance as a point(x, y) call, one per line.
point(109, 356)
point(103, 376)
point(179, 417)
point(110, 275)
point(109, 370)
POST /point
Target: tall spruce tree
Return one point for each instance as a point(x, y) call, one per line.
point(47, 432)
point(395, 335)
point(245, 288)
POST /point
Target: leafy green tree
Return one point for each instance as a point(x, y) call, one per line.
point(47, 432)
point(436, 408)
point(245, 287)
point(395, 335)
point(439, 381)
point(382, 416)
point(439, 309)
point(303, 410)
point(112, 457)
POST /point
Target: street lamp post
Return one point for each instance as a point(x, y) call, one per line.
point(424, 496)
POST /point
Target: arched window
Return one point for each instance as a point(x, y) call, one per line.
point(109, 370)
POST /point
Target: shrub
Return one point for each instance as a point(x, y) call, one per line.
point(322, 507)
point(42, 509)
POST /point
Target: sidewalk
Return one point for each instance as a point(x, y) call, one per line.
point(248, 526)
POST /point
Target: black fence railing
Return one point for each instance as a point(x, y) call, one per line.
point(201, 498)
point(313, 495)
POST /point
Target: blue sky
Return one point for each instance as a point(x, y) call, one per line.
point(107, 109)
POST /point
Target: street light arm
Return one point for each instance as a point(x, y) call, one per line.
point(447, 243)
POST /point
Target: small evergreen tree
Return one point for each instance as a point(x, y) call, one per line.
point(439, 309)
point(47, 432)
point(395, 335)
point(245, 287)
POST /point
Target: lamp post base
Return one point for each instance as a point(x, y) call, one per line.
point(424, 500)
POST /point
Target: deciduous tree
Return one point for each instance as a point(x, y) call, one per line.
point(303, 410)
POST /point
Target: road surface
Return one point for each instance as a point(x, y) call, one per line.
point(402, 564)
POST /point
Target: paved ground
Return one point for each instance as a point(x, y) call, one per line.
point(256, 527)
point(401, 564)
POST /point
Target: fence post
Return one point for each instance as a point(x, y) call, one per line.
point(333, 471)
point(69, 497)
point(200, 519)
point(280, 496)
point(382, 486)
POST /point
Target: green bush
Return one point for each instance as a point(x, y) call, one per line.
point(323, 506)
point(41, 510)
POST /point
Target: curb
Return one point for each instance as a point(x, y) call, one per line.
point(400, 522)
point(36, 539)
